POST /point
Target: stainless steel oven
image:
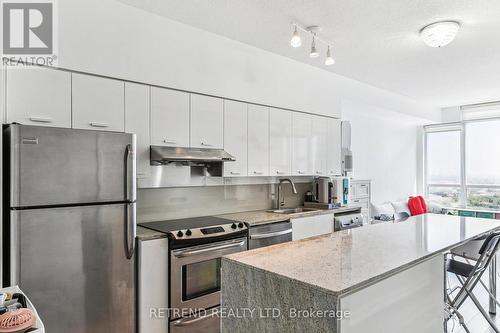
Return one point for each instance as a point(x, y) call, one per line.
point(206, 321)
point(195, 273)
point(196, 246)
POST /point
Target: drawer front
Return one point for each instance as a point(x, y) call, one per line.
point(362, 190)
point(363, 203)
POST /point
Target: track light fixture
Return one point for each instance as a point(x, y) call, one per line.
point(314, 30)
point(329, 59)
point(314, 53)
point(296, 41)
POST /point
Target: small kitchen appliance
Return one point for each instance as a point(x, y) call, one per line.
point(322, 189)
point(341, 189)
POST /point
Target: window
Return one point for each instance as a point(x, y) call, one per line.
point(443, 167)
point(483, 164)
point(462, 164)
point(443, 156)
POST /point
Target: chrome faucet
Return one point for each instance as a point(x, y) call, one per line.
point(280, 202)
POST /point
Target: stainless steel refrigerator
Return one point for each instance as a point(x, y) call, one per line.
point(69, 226)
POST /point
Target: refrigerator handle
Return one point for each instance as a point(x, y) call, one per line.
point(130, 173)
point(15, 249)
point(130, 231)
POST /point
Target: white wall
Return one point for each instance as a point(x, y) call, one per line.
point(386, 149)
point(110, 38)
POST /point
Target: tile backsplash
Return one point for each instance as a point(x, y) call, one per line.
point(172, 203)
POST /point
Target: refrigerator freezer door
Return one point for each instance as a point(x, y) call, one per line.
point(72, 263)
point(54, 166)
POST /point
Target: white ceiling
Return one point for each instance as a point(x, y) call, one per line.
point(375, 41)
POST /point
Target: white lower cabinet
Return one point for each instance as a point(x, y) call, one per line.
point(280, 142)
point(360, 195)
point(37, 96)
point(318, 152)
point(258, 140)
point(311, 226)
point(152, 283)
point(137, 121)
point(301, 136)
point(98, 103)
point(235, 138)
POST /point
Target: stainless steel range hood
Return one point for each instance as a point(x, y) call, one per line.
point(164, 155)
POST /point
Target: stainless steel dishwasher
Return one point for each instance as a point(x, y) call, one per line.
point(269, 234)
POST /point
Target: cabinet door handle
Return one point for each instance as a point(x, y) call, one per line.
point(40, 120)
point(170, 142)
point(280, 172)
point(235, 173)
point(319, 172)
point(206, 144)
point(257, 173)
point(100, 125)
point(300, 172)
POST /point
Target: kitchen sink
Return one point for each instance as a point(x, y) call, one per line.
point(291, 210)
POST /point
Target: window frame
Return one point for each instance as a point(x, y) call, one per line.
point(463, 186)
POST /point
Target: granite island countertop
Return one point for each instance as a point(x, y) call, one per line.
point(259, 217)
point(345, 261)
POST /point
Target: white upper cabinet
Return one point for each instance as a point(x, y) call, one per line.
point(333, 165)
point(301, 134)
point(98, 103)
point(318, 152)
point(235, 138)
point(280, 142)
point(169, 117)
point(258, 140)
point(137, 122)
point(37, 96)
point(207, 122)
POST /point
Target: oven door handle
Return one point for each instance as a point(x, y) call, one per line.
point(271, 234)
point(188, 321)
point(188, 253)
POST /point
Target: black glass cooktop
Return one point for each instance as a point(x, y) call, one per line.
point(183, 224)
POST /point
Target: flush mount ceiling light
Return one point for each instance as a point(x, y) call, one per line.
point(314, 31)
point(439, 34)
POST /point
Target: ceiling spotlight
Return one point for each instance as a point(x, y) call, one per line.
point(329, 59)
point(440, 33)
point(314, 53)
point(295, 41)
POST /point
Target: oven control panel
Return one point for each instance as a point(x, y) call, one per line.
point(207, 232)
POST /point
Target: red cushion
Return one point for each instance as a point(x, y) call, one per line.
point(417, 205)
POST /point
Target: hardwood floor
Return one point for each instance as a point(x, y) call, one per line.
point(473, 318)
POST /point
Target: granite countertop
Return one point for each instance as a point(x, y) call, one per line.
point(252, 218)
point(259, 217)
point(148, 234)
point(344, 261)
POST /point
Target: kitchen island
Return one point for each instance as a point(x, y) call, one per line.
point(379, 278)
